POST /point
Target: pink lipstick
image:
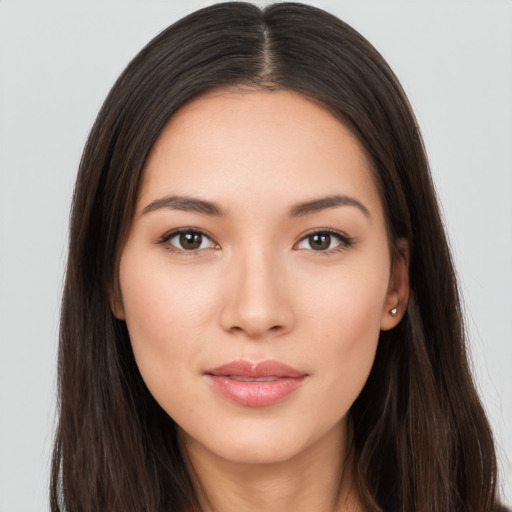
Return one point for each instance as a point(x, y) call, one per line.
point(255, 384)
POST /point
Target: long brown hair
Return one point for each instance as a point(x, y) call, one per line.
point(421, 439)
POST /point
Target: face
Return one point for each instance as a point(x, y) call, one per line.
point(257, 274)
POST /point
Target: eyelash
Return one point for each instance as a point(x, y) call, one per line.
point(345, 242)
point(165, 239)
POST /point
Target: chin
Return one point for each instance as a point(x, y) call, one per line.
point(249, 443)
point(254, 452)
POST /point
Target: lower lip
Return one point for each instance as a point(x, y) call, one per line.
point(253, 393)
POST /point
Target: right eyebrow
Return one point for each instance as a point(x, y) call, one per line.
point(325, 203)
point(187, 204)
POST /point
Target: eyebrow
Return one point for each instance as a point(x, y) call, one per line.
point(192, 204)
point(186, 204)
point(325, 203)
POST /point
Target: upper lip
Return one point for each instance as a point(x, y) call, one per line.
point(255, 370)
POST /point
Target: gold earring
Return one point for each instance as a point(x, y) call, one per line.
point(393, 312)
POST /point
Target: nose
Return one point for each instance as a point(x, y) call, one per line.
point(257, 301)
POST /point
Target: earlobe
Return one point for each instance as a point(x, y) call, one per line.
point(116, 302)
point(398, 290)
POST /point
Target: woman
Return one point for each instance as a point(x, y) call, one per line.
point(260, 309)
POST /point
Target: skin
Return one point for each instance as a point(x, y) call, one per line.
point(258, 288)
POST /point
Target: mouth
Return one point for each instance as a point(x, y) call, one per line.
point(255, 384)
point(253, 379)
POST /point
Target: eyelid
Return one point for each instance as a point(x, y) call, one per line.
point(169, 235)
point(345, 240)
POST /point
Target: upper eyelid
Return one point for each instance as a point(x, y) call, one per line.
point(173, 232)
point(330, 231)
point(165, 239)
point(345, 241)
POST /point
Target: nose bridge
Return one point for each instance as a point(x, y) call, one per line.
point(256, 303)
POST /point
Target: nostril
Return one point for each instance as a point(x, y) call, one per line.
point(237, 329)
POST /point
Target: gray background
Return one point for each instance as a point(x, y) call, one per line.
point(58, 61)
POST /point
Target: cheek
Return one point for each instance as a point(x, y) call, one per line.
point(348, 301)
point(161, 310)
point(343, 319)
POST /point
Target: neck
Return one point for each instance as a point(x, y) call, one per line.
point(319, 478)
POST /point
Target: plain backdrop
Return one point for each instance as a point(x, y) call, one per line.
point(57, 63)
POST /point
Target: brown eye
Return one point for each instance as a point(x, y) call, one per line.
point(190, 241)
point(319, 241)
point(324, 241)
point(187, 240)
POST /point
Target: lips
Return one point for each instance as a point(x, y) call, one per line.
point(255, 385)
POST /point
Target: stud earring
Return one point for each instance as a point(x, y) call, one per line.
point(393, 312)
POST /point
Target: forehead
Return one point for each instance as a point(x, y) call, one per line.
point(250, 145)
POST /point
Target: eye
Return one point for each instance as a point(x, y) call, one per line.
point(187, 240)
point(324, 241)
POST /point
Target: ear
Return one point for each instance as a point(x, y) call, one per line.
point(116, 300)
point(398, 289)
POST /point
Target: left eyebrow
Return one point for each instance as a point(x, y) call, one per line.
point(186, 204)
point(325, 203)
